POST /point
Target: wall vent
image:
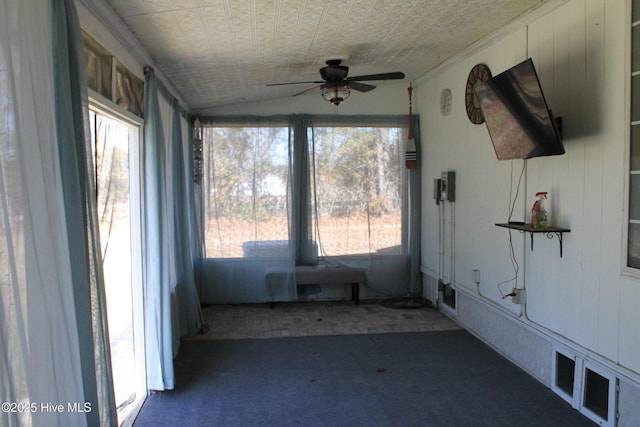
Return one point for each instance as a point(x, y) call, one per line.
point(566, 370)
point(596, 393)
point(449, 297)
point(565, 374)
point(586, 385)
point(599, 394)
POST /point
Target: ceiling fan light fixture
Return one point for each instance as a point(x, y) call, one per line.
point(335, 86)
point(335, 94)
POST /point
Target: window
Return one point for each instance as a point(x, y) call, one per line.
point(129, 90)
point(110, 79)
point(633, 243)
point(355, 192)
point(284, 191)
point(246, 191)
point(98, 66)
point(358, 190)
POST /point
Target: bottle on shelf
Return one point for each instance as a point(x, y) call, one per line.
point(539, 216)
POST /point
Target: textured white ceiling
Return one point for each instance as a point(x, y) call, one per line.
point(221, 52)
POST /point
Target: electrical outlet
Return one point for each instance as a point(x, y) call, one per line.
point(518, 296)
point(475, 276)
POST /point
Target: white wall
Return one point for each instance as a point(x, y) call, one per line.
point(587, 299)
point(387, 98)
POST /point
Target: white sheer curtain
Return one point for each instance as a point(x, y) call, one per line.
point(248, 213)
point(298, 190)
point(365, 204)
point(52, 331)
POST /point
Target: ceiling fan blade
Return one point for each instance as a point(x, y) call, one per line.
point(295, 83)
point(361, 87)
point(383, 76)
point(306, 90)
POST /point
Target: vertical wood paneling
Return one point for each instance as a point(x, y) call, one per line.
point(539, 178)
point(593, 188)
point(561, 175)
point(573, 197)
point(613, 217)
point(578, 51)
point(559, 99)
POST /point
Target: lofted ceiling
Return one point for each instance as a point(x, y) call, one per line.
point(224, 52)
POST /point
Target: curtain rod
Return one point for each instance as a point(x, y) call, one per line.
point(371, 120)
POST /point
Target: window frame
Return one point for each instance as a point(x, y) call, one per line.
point(404, 196)
point(311, 122)
point(627, 269)
point(276, 123)
point(102, 106)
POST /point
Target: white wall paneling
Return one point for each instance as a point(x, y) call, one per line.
point(583, 300)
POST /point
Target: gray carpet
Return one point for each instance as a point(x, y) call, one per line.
point(446, 378)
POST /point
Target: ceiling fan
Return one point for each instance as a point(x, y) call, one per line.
point(335, 86)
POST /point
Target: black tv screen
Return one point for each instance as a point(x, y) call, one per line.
point(518, 119)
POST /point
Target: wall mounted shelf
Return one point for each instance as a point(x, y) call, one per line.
point(549, 231)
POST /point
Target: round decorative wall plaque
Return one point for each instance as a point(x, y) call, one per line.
point(480, 73)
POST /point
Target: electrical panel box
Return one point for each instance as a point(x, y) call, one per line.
point(436, 190)
point(448, 186)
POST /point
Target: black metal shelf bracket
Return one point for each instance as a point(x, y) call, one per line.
point(550, 232)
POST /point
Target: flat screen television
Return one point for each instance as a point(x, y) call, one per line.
point(519, 122)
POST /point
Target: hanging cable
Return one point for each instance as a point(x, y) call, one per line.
point(513, 201)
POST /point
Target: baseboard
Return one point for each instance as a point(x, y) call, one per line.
point(526, 349)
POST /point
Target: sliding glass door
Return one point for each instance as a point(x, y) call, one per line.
point(115, 144)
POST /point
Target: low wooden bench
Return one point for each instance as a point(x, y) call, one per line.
point(324, 275)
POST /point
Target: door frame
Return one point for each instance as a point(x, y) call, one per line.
point(105, 107)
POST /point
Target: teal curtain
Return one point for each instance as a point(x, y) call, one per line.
point(171, 301)
point(158, 315)
point(184, 225)
point(53, 330)
point(71, 113)
point(306, 251)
